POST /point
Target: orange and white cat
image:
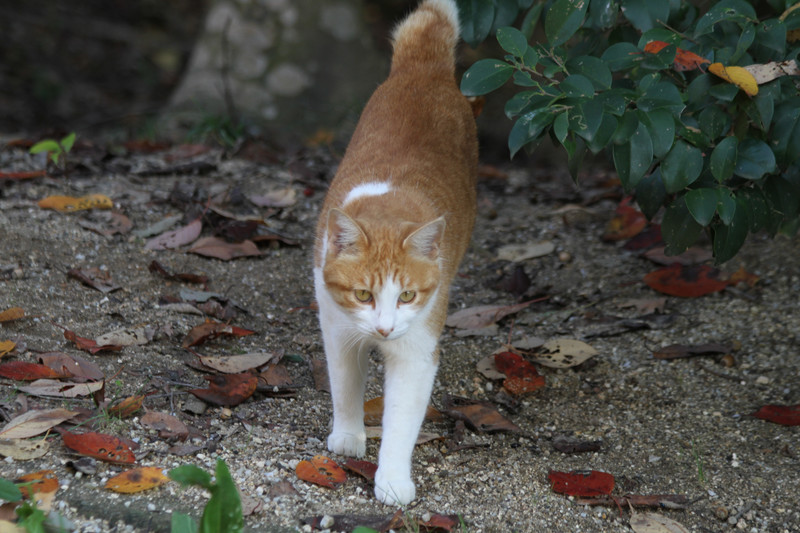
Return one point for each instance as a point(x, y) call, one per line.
point(394, 226)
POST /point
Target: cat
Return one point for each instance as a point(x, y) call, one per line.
point(392, 230)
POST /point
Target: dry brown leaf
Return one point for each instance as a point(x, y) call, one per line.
point(483, 315)
point(655, 523)
point(563, 353)
point(521, 252)
point(60, 389)
point(125, 337)
point(234, 364)
point(168, 426)
point(278, 198)
point(35, 422)
point(13, 313)
point(177, 237)
point(224, 250)
point(23, 450)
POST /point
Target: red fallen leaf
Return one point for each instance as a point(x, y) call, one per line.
point(686, 281)
point(787, 415)
point(626, 223)
point(158, 268)
point(100, 446)
point(586, 483)
point(221, 249)
point(168, 426)
point(521, 376)
point(22, 175)
point(43, 481)
point(211, 329)
point(76, 367)
point(127, 407)
point(23, 371)
point(89, 345)
point(440, 522)
point(684, 59)
point(742, 276)
point(648, 238)
point(321, 471)
point(228, 389)
point(477, 415)
point(365, 469)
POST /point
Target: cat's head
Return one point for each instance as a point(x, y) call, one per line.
point(384, 276)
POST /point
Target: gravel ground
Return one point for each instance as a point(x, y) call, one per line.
point(667, 427)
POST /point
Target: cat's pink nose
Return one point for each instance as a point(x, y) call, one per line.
point(384, 331)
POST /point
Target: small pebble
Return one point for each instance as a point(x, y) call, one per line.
point(326, 522)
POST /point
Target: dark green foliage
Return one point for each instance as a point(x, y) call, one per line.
point(681, 139)
point(222, 513)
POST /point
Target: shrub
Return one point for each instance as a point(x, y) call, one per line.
point(658, 86)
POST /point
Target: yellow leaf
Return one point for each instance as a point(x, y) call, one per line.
point(69, 203)
point(738, 76)
point(12, 313)
point(6, 346)
point(137, 480)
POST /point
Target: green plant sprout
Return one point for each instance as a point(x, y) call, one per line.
point(57, 150)
point(222, 513)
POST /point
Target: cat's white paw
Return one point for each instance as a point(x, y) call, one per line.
point(394, 491)
point(348, 444)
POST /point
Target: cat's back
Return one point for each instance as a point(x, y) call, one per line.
point(416, 142)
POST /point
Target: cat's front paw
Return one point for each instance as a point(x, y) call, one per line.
point(348, 444)
point(394, 490)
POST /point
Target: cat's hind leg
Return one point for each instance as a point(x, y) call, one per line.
point(410, 366)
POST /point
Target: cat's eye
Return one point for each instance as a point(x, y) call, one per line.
point(407, 296)
point(363, 295)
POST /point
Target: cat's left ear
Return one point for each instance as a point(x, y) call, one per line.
point(427, 239)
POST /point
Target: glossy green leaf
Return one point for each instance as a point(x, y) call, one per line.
point(621, 56)
point(645, 14)
point(604, 133)
point(738, 11)
point(182, 523)
point(681, 167)
point(702, 204)
point(188, 475)
point(626, 127)
point(563, 19)
point(48, 145)
point(661, 126)
point(714, 121)
point(577, 86)
point(586, 119)
point(754, 159)
point(9, 492)
point(632, 159)
point(592, 68)
point(512, 41)
point(679, 229)
point(476, 17)
point(661, 95)
point(603, 14)
point(528, 128)
point(726, 205)
point(787, 132)
point(757, 205)
point(723, 158)
point(650, 193)
point(485, 76)
point(561, 126)
point(68, 141)
point(727, 239)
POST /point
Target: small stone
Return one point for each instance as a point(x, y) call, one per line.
point(326, 522)
point(151, 507)
point(564, 257)
point(762, 380)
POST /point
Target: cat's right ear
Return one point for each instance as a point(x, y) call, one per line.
point(344, 233)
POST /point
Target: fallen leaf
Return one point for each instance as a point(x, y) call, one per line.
point(376, 432)
point(6, 347)
point(278, 198)
point(72, 365)
point(626, 223)
point(655, 523)
point(125, 337)
point(373, 412)
point(693, 256)
point(67, 204)
point(234, 364)
point(115, 223)
point(322, 471)
point(521, 252)
point(228, 389)
point(477, 415)
point(517, 283)
point(742, 276)
point(581, 483)
point(787, 415)
point(563, 353)
point(738, 76)
point(649, 237)
point(488, 369)
point(439, 522)
point(24, 450)
point(42, 481)
point(483, 315)
point(89, 345)
point(137, 480)
point(645, 306)
point(177, 237)
point(275, 375)
point(167, 425)
point(319, 371)
point(661, 501)
point(211, 329)
point(100, 446)
point(769, 71)
point(684, 59)
point(159, 227)
point(22, 174)
point(24, 371)
point(221, 249)
point(570, 445)
point(365, 469)
point(686, 281)
point(60, 389)
point(158, 268)
point(13, 313)
point(678, 351)
point(35, 423)
point(127, 407)
point(521, 376)
point(95, 278)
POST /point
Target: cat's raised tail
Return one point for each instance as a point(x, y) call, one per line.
point(428, 37)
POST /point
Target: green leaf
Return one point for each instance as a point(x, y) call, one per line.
point(528, 128)
point(223, 512)
point(786, 132)
point(603, 14)
point(650, 194)
point(531, 19)
point(182, 523)
point(626, 128)
point(727, 239)
point(586, 121)
point(512, 41)
point(738, 11)
point(68, 141)
point(505, 13)
point(577, 86)
point(593, 68)
point(702, 204)
point(645, 14)
point(364, 529)
point(563, 19)
point(523, 79)
point(604, 133)
point(755, 158)
point(661, 95)
point(726, 205)
point(31, 518)
point(679, 228)
point(191, 475)
point(746, 38)
point(633, 159)
point(714, 121)
point(697, 92)
point(661, 127)
point(723, 158)
point(681, 167)
point(757, 205)
point(561, 126)
point(621, 56)
point(9, 491)
point(476, 17)
point(47, 145)
point(485, 76)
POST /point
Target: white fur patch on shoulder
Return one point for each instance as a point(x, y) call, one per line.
point(366, 189)
point(449, 9)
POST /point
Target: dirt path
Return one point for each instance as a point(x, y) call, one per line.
point(666, 427)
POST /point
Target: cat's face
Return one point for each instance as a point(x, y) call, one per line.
point(385, 278)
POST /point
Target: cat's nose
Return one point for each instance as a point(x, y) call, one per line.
point(384, 331)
